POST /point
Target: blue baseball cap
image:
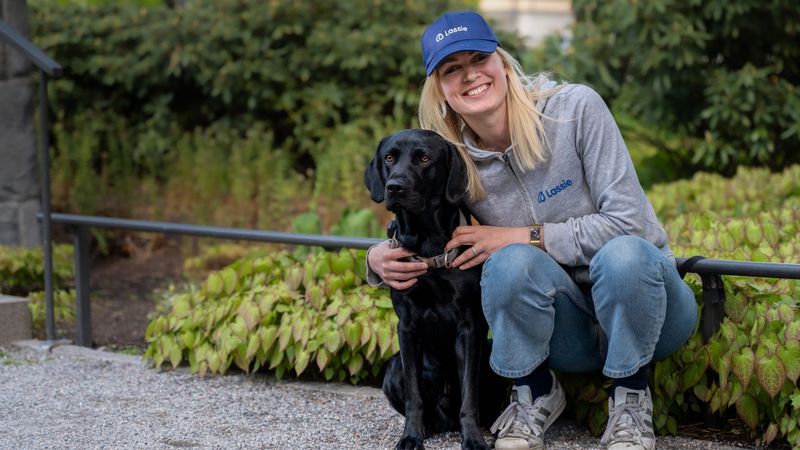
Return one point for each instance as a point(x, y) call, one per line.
point(456, 32)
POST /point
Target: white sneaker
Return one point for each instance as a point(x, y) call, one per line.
point(630, 421)
point(522, 424)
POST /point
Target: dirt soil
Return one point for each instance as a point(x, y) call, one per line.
point(124, 290)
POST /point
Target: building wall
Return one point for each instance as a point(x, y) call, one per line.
point(534, 19)
point(19, 188)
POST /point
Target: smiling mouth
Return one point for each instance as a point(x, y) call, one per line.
point(477, 91)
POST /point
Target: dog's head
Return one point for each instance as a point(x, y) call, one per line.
point(414, 169)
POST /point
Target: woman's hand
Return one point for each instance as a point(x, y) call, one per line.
point(385, 261)
point(483, 241)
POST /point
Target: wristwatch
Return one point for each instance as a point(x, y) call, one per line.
point(536, 235)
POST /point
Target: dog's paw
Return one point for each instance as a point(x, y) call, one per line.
point(410, 443)
point(474, 444)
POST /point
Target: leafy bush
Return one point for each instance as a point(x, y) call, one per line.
point(22, 269)
point(734, 219)
point(158, 101)
point(703, 69)
point(275, 312)
point(63, 310)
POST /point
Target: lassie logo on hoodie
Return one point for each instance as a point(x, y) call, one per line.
point(552, 192)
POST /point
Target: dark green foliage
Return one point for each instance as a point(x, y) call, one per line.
point(304, 68)
point(22, 274)
point(22, 269)
point(310, 86)
point(725, 73)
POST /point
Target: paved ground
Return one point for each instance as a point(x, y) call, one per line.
point(75, 398)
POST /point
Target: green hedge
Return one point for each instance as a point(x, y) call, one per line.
point(222, 102)
point(725, 74)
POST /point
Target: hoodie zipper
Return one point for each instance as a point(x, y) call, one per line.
point(521, 187)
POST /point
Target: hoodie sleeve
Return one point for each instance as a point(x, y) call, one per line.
point(373, 279)
point(621, 205)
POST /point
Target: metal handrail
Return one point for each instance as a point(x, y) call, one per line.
point(710, 270)
point(743, 268)
point(215, 232)
point(47, 68)
point(30, 51)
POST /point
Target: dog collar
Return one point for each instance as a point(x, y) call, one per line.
point(434, 262)
point(443, 260)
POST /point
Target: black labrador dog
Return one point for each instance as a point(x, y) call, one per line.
point(440, 381)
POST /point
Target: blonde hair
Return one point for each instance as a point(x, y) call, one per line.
point(524, 120)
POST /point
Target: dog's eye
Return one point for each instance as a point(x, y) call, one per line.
point(388, 158)
point(424, 158)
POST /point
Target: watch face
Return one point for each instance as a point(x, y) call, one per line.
point(535, 232)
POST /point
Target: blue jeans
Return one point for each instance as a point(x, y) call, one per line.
point(639, 309)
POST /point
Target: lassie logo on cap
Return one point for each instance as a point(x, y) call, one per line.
point(450, 31)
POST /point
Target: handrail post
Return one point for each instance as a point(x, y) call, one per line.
point(83, 313)
point(713, 305)
point(44, 143)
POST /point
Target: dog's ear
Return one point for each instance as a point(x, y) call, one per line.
point(373, 175)
point(456, 188)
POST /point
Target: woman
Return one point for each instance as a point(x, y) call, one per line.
point(577, 273)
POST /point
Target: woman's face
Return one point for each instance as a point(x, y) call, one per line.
point(474, 84)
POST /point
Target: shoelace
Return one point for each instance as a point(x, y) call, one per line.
point(625, 425)
point(508, 419)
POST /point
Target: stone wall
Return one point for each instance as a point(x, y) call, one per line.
point(19, 181)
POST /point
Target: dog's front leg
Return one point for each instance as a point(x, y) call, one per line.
point(468, 354)
point(411, 356)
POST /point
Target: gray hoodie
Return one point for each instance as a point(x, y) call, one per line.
point(584, 194)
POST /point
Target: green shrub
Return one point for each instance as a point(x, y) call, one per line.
point(22, 269)
point(275, 312)
point(159, 101)
point(706, 70)
point(63, 310)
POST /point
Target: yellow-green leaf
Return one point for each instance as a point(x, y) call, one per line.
point(252, 346)
point(384, 339)
point(747, 408)
point(352, 334)
point(230, 279)
point(275, 358)
point(323, 358)
point(284, 336)
point(790, 356)
point(250, 313)
point(333, 340)
point(771, 374)
point(693, 373)
point(214, 284)
point(214, 362)
point(301, 361)
point(743, 363)
point(384, 303)
point(175, 354)
point(181, 307)
point(355, 364)
point(267, 336)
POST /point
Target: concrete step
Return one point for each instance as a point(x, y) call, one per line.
point(15, 319)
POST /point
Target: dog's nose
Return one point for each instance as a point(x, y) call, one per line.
point(395, 187)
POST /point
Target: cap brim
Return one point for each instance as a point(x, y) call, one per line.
point(468, 45)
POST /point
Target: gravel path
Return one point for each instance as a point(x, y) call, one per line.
point(75, 398)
